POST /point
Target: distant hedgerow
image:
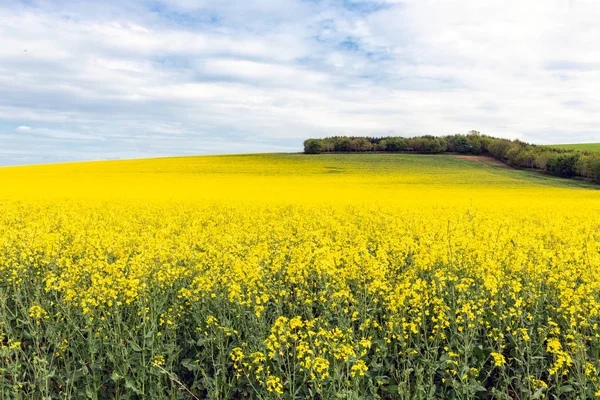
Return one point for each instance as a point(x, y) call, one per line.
point(553, 161)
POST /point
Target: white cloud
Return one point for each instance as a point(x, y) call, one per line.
point(211, 76)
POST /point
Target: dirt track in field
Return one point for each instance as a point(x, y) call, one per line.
point(487, 162)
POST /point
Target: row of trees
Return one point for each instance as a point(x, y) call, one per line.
point(473, 143)
point(422, 144)
point(558, 162)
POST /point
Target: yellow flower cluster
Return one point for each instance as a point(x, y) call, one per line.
point(274, 384)
point(359, 368)
point(562, 358)
point(37, 313)
point(499, 359)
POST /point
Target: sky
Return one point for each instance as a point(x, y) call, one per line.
point(87, 80)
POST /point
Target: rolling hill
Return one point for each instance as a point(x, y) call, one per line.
point(578, 146)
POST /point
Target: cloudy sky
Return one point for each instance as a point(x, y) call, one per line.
point(84, 80)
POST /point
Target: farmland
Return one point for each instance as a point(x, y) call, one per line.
point(295, 276)
point(578, 146)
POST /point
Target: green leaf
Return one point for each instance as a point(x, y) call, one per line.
point(115, 377)
point(190, 364)
point(538, 394)
point(81, 372)
point(393, 389)
point(477, 387)
point(135, 346)
point(129, 384)
point(89, 393)
point(566, 389)
point(479, 353)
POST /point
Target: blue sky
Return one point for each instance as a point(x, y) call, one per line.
point(127, 79)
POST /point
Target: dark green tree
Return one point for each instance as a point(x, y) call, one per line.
point(562, 164)
point(342, 143)
point(313, 146)
point(462, 145)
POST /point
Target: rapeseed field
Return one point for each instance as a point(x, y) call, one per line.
point(294, 276)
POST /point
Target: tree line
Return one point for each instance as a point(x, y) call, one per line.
point(516, 153)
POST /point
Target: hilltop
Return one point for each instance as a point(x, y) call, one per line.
point(594, 147)
point(551, 160)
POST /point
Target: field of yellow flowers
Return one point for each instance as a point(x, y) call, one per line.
point(293, 276)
